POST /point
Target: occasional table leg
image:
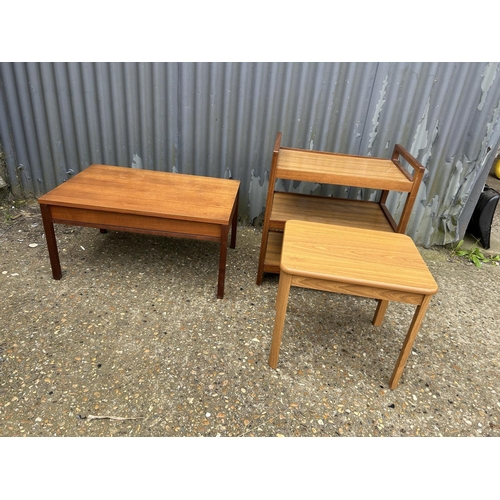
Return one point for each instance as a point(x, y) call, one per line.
point(380, 312)
point(281, 305)
point(222, 261)
point(408, 343)
point(50, 236)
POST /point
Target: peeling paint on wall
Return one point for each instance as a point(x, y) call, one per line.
point(490, 127)
point(137, 161)
point(488, 75)
point(257, 192)
point(420, 139)
point(378, 111)
point(430, 213)
point(221, 119)
point(298, 187)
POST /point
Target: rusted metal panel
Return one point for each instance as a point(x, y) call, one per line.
point(220, 119)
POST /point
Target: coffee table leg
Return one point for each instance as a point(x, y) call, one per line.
point(50, 236)
point(408, 343)
point(234, 222)
point(222, 261)
point(281, 305)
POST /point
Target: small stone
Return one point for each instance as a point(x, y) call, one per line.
point(33, 245)
point(207, 414)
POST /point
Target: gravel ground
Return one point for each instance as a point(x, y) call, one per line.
point(133, 342)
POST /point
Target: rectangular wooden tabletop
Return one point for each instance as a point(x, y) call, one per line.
point(346, 170)
point(356, 256)
point(147, 192)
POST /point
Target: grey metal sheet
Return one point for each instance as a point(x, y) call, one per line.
point(220, 119)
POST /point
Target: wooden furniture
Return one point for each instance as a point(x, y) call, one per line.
point(330, 168)
point(394, 271)
point(144, 201)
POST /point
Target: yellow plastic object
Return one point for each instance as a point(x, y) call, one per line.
point(497, 168)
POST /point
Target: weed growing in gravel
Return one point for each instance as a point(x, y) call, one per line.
point(474, 255)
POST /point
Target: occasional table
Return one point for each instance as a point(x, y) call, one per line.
point(375, 264)
point(144, 201)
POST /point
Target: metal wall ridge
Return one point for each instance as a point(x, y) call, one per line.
point(220, 119)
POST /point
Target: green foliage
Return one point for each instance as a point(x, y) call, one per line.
point(474, 255)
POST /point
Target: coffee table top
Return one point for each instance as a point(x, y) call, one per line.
point(147, 192)
point(356, 256)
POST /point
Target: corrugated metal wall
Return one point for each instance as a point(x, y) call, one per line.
point(220, 119)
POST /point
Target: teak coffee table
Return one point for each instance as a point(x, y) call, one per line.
point(144, 201)
point(354, 261)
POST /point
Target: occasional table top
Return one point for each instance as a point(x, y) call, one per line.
point(356, 256)
point(147, 192)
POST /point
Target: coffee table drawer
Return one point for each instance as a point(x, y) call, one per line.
point(124, 222)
